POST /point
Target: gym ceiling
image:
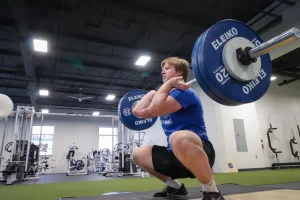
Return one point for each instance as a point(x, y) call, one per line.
point(93, 45)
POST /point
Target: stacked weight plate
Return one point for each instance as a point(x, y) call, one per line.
point(211, 74)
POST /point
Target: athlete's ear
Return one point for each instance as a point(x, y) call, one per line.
point(179, 73)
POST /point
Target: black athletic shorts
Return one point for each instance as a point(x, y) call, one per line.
point(166, 163)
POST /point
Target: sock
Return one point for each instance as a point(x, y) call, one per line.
point(210, 187)
point(173, 183)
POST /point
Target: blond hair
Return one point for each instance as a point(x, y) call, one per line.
point(179, 64)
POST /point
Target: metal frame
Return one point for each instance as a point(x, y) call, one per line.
point(68, 114)
point(18, 135)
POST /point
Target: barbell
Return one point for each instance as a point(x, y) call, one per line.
point(230, 63)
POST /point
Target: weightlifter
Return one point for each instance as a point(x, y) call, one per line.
point(189, 153)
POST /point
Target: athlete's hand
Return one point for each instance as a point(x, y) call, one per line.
point(177, 82)
point(152, 92)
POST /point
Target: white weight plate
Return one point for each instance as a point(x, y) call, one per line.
point(233, 66)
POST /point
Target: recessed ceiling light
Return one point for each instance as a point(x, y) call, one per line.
point(110, 97)
point(143, 60)
point(273, 78)
point(40, 45)
point(44, 92)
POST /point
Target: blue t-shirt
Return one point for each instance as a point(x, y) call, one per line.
point(189, 117)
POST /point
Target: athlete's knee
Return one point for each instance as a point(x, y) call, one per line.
point(178, 140)
point(181, 139)
point(139, 155)
point(136, 154)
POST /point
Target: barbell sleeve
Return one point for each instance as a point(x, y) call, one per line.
point(280, 40)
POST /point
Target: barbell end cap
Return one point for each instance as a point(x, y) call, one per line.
point(297, 32)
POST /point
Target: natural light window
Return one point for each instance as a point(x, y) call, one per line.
point(47, 138)
point(107, 139)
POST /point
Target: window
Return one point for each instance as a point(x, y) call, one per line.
point(138, 136)
point(47, 138)
point(107, 139)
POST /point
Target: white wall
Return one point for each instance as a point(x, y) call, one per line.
point(252, 158)
point(280, 107)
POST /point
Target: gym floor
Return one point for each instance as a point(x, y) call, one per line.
point(59, 178)
point(91, 186)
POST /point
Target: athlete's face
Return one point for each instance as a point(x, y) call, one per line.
point(168, 71)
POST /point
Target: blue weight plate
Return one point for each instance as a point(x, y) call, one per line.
point(125, 111)
point(119, 109)
point(199, 53)
point(198, 75)
point(216, 77)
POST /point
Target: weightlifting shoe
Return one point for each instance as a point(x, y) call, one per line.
point(169, 191)
point(212, 196)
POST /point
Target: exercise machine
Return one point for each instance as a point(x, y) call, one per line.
point(110, 163)
point(33, 160)
point(91, 162)
point(43, 164)
point(2, 143)
point(97, 160)
point(127, 166)
point(125, 148)
point(24, 155)
point(123, 151)
point(76, 167)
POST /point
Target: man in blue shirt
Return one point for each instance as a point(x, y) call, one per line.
point(189, 153)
